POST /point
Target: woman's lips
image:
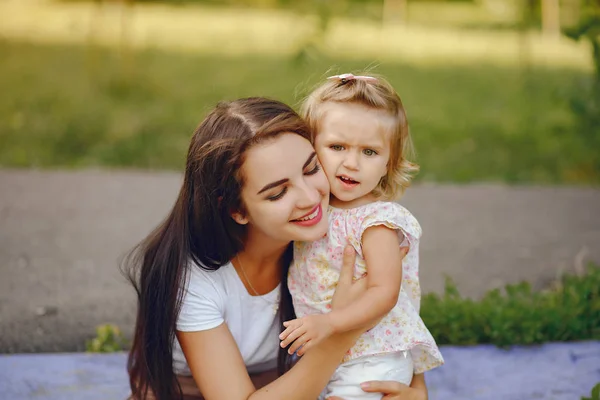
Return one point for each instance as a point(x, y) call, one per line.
point(312, 218)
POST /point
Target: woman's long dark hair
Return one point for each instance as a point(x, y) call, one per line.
point(199, 230)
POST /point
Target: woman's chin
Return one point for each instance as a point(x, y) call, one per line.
point(310, 234)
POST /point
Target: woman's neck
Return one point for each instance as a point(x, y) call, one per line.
point(260, 263)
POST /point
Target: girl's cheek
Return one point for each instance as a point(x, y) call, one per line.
point(323, 182)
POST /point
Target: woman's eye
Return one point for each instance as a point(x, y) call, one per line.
point(313, 170)
point(369, 152)
point(278, 195)
point(336, 147)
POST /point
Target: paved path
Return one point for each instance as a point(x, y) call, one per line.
point(62, 232)
point(557, 371)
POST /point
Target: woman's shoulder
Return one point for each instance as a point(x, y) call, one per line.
point(204, 297)
point(207, 280)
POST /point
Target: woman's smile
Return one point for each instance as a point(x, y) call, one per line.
point(312, 218)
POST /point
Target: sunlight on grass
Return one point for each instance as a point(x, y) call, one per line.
point(280, 33)
point(74, 106)
point(485, 103)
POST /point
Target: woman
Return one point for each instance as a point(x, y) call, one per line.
point(211, 278)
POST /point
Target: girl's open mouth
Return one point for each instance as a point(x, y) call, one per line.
point(347, 182)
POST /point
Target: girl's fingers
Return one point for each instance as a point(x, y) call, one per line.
point(290, 327)
point(292, 336)
point(296, 345)
point(302, 350)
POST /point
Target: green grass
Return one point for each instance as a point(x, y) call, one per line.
point(73, 106)
point(568, 311)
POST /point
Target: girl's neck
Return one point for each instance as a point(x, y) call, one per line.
point(361, 201)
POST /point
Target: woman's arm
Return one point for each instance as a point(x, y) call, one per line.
point(219, 371)
point(264, 378)
point(418, 382)
point(383, 255)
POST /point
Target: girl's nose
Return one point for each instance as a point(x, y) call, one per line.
point(351, 160)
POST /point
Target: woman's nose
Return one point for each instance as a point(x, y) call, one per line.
point(309, 196)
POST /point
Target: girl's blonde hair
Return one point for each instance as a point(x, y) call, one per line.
point(378, 94)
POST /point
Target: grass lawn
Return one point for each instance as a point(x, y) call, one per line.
point(476, 110)
point(72, 106)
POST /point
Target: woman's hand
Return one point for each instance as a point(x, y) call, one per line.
point(348, 290)
point(312, 329)
point(393, 390)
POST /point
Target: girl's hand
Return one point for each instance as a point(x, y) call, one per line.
point(310, 330)
point(348, 290)
point(305, 332)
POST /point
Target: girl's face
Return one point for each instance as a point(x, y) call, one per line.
point(285, 191)
point(353, 144)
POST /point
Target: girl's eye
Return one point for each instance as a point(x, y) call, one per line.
point(278, 195)
point(369, 152)
point(313, 170)
point(336, 147)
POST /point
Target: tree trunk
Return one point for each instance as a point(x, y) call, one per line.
point(395, 11)
point(551, 17)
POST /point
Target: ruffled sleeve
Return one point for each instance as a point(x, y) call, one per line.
point(394, 216)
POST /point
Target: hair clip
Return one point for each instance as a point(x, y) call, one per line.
point(343, 78)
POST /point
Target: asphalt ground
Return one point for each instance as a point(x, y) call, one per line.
point(62, 233)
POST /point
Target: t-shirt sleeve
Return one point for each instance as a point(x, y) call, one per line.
point(393, 216)
point(202, 303)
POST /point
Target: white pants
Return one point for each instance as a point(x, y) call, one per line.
point(346, 379)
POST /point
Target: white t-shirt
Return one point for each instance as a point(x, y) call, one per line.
point(214, 297)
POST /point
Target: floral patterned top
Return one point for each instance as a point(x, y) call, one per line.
point(316, 268)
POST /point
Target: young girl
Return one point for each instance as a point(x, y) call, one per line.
point(362, 140)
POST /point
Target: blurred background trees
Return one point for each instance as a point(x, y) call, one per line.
point(496, 90)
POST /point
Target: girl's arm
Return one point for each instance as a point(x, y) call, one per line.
point(219, 371)
point(383, 255)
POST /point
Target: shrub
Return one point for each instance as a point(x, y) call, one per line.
point(568, 311)
point(109, 339)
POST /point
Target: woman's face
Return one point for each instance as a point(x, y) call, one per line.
point(285, 191)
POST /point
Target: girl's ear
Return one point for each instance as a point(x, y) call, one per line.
point(239, 217)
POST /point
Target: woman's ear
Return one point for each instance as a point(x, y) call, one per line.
point(239, 217)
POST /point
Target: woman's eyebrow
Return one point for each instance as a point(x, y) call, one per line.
point(309, 160)
point(273, 184)
point(285, 180)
